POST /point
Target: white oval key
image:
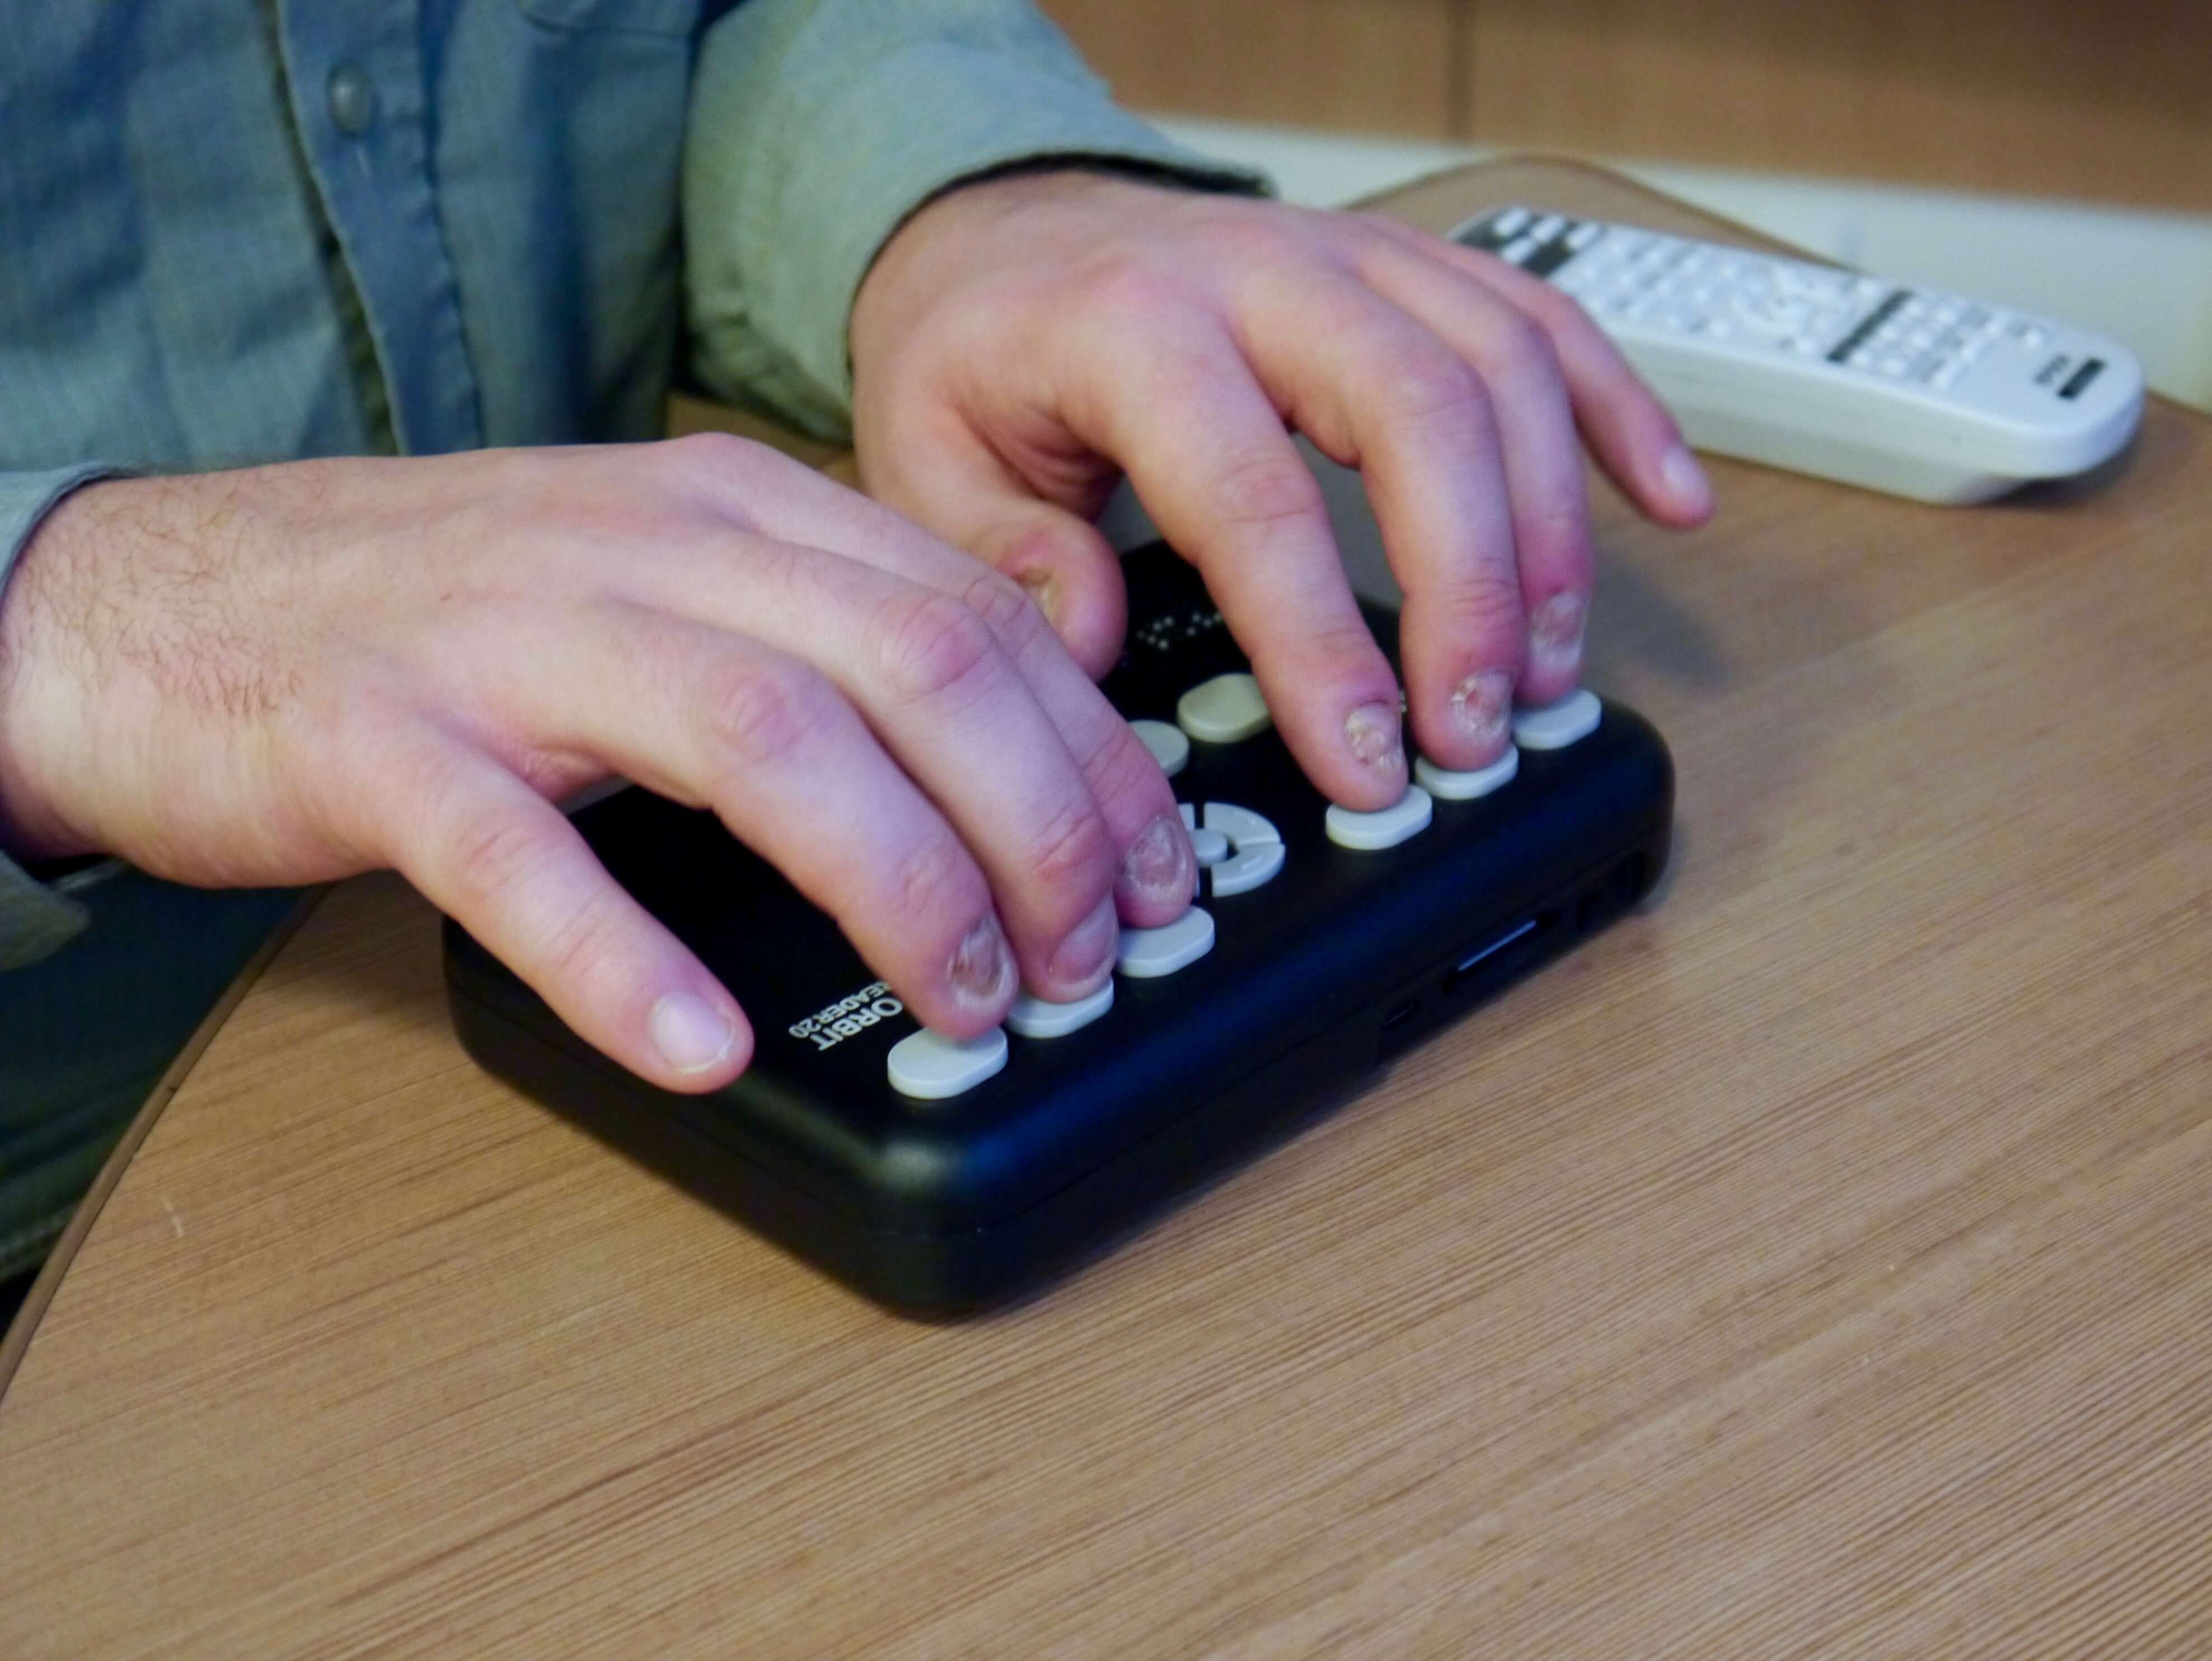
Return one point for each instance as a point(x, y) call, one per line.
point(1445, 785)
point(1036, 1018)
point(931, 1065)
point(1146, 953)
point(1369, 832)
point(1556, 725)
point(1222, 710)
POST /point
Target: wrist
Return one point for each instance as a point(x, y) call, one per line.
point(32, 832)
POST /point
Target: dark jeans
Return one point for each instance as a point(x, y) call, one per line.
point(86, 1033)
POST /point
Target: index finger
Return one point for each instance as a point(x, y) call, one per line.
point(1212, 461)
point(1629, 432)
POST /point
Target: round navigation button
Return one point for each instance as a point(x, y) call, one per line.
point(1366, 833)
point(1446, 785)
point(1241, 825)
point(1222, 710)
point(1555, 725)
point(931, 1065)
point(1258, 849)
point(1169, 746)
point(1148, 953)
point(1246, 869)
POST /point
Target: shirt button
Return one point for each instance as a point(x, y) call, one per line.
point(352, 99)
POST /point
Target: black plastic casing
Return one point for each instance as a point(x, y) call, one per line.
point(1341, 960)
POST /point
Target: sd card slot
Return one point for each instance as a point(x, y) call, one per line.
point(1486, 954)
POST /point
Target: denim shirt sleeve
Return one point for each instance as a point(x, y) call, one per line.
point(818, 125)
point(35, 919)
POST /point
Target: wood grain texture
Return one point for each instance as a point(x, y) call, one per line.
point(2032, 97)
point(1818, 1263)
point(1367, 65)
point(2035, 97)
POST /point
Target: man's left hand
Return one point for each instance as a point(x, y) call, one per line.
point(1021, 342)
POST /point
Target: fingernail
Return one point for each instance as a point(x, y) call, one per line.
point(1159, 866)
point(1087, 954)
point(1685, 481)
point(690, 1033)
point(1043, 587)
point(1374, 738)
point(981, 971)
point(1483, 706)
point(1555, 632)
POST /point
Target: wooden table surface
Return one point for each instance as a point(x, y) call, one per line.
point(1818, 1262)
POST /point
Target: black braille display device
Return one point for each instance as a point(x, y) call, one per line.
point(1324, 962)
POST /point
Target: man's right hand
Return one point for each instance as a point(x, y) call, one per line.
point(288, 674)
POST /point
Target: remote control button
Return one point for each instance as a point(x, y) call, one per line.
point(1555, 725)
point(1211, 847)
point(1448, 786)
point(1245, 870)
point(1190, 815)
point(1508, 222)
point(1169, 746)
point(1369, 832)
point(1222, 710)
point(931, 1065)
point(1148, 952)
point(1036, 1017)
point(1241, 825)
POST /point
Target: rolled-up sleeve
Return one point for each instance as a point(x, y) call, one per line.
point(817, 126)
point(35, 919)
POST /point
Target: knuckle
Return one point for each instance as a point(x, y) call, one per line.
point(1268, 490)
point(1427, 386)
point(1073, 855)
point(1254, 241)
point(1550, 310)
point(1007, 609)
point(764, 715)
point(1121, 282)
point(934, 876)
point(1522, 348)
point(1345, 652)
point(711, 453)
point(490, 850)
point(580, 945)
point(1119, 766)
point(1555, 529)
point(1485, 602)
point(932, 644)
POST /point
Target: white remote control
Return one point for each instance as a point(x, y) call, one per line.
point(1829, 372)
